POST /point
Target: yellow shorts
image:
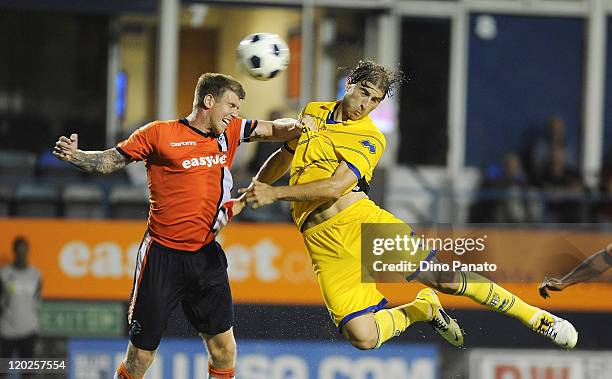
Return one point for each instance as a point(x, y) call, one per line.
point(335, 249)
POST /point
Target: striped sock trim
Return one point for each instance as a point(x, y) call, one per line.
point(489, 295)
point(123, 373)
point(462, 284)
point(511, 304)
point(220, 373)
point(392, 319)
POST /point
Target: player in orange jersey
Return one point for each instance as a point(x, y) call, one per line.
point(188, 165)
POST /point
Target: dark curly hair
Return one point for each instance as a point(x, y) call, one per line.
point(383, 77)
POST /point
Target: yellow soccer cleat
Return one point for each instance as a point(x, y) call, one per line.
point(442, 323)
point(561, 332)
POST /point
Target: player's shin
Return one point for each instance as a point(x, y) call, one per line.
point(392, 322)
point(495, 297)
point(220, 373)
point(482, 290)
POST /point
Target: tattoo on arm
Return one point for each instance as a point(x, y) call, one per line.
point(101, 162)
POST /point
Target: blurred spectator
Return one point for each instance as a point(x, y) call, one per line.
point(19, 297)
point(519, 203)
point(540, 152)
point(558, 173)
point(563, 187)
point(505, 194)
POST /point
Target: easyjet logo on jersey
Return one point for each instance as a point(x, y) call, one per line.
point(185, 143)
point(209, 161)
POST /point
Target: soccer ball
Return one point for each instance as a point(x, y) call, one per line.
point(263, 55)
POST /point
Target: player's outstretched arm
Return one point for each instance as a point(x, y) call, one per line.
point(101, 162)
point(275, 166)
point(283, 129)
point(591, 267)
point(332, 188)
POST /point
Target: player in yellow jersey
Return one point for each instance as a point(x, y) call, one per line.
point(331, 165)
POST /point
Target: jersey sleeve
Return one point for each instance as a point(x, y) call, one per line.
point(139, 144)
point(290, 146)
point(246, 128)
point(239, 130)
point(233, 134)
point(361, 153)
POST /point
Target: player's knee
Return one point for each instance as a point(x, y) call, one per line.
point(361, 337)
point(609, 249)
point(448, 288)
point(446, 283)
point(364, 344)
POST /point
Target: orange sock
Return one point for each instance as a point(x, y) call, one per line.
point(123, 373)
point(220, 373)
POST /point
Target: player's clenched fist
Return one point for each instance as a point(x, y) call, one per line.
point(309, 122)
point(552, 284)
point(66, 147)
point(259, 194)
point(237, 205)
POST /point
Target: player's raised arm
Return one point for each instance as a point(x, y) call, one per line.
point(591, 267)
point(275, 166)
point(331, 188)
point(279, 162)
point(101, 162)
point(282, 129)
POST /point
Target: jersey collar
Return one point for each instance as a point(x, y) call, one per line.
point(203, 134)
point(330, 117)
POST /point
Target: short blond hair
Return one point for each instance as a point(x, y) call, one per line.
point(216, 84)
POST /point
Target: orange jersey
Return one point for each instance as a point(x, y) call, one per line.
point(189, 178)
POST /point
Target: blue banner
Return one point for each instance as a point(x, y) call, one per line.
point(187, 359)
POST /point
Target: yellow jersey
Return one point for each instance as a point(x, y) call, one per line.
point(319, 152)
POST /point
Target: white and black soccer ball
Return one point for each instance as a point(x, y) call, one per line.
point(263, 55)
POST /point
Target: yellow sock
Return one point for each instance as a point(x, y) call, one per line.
point(392, 322)
point(495, 297)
